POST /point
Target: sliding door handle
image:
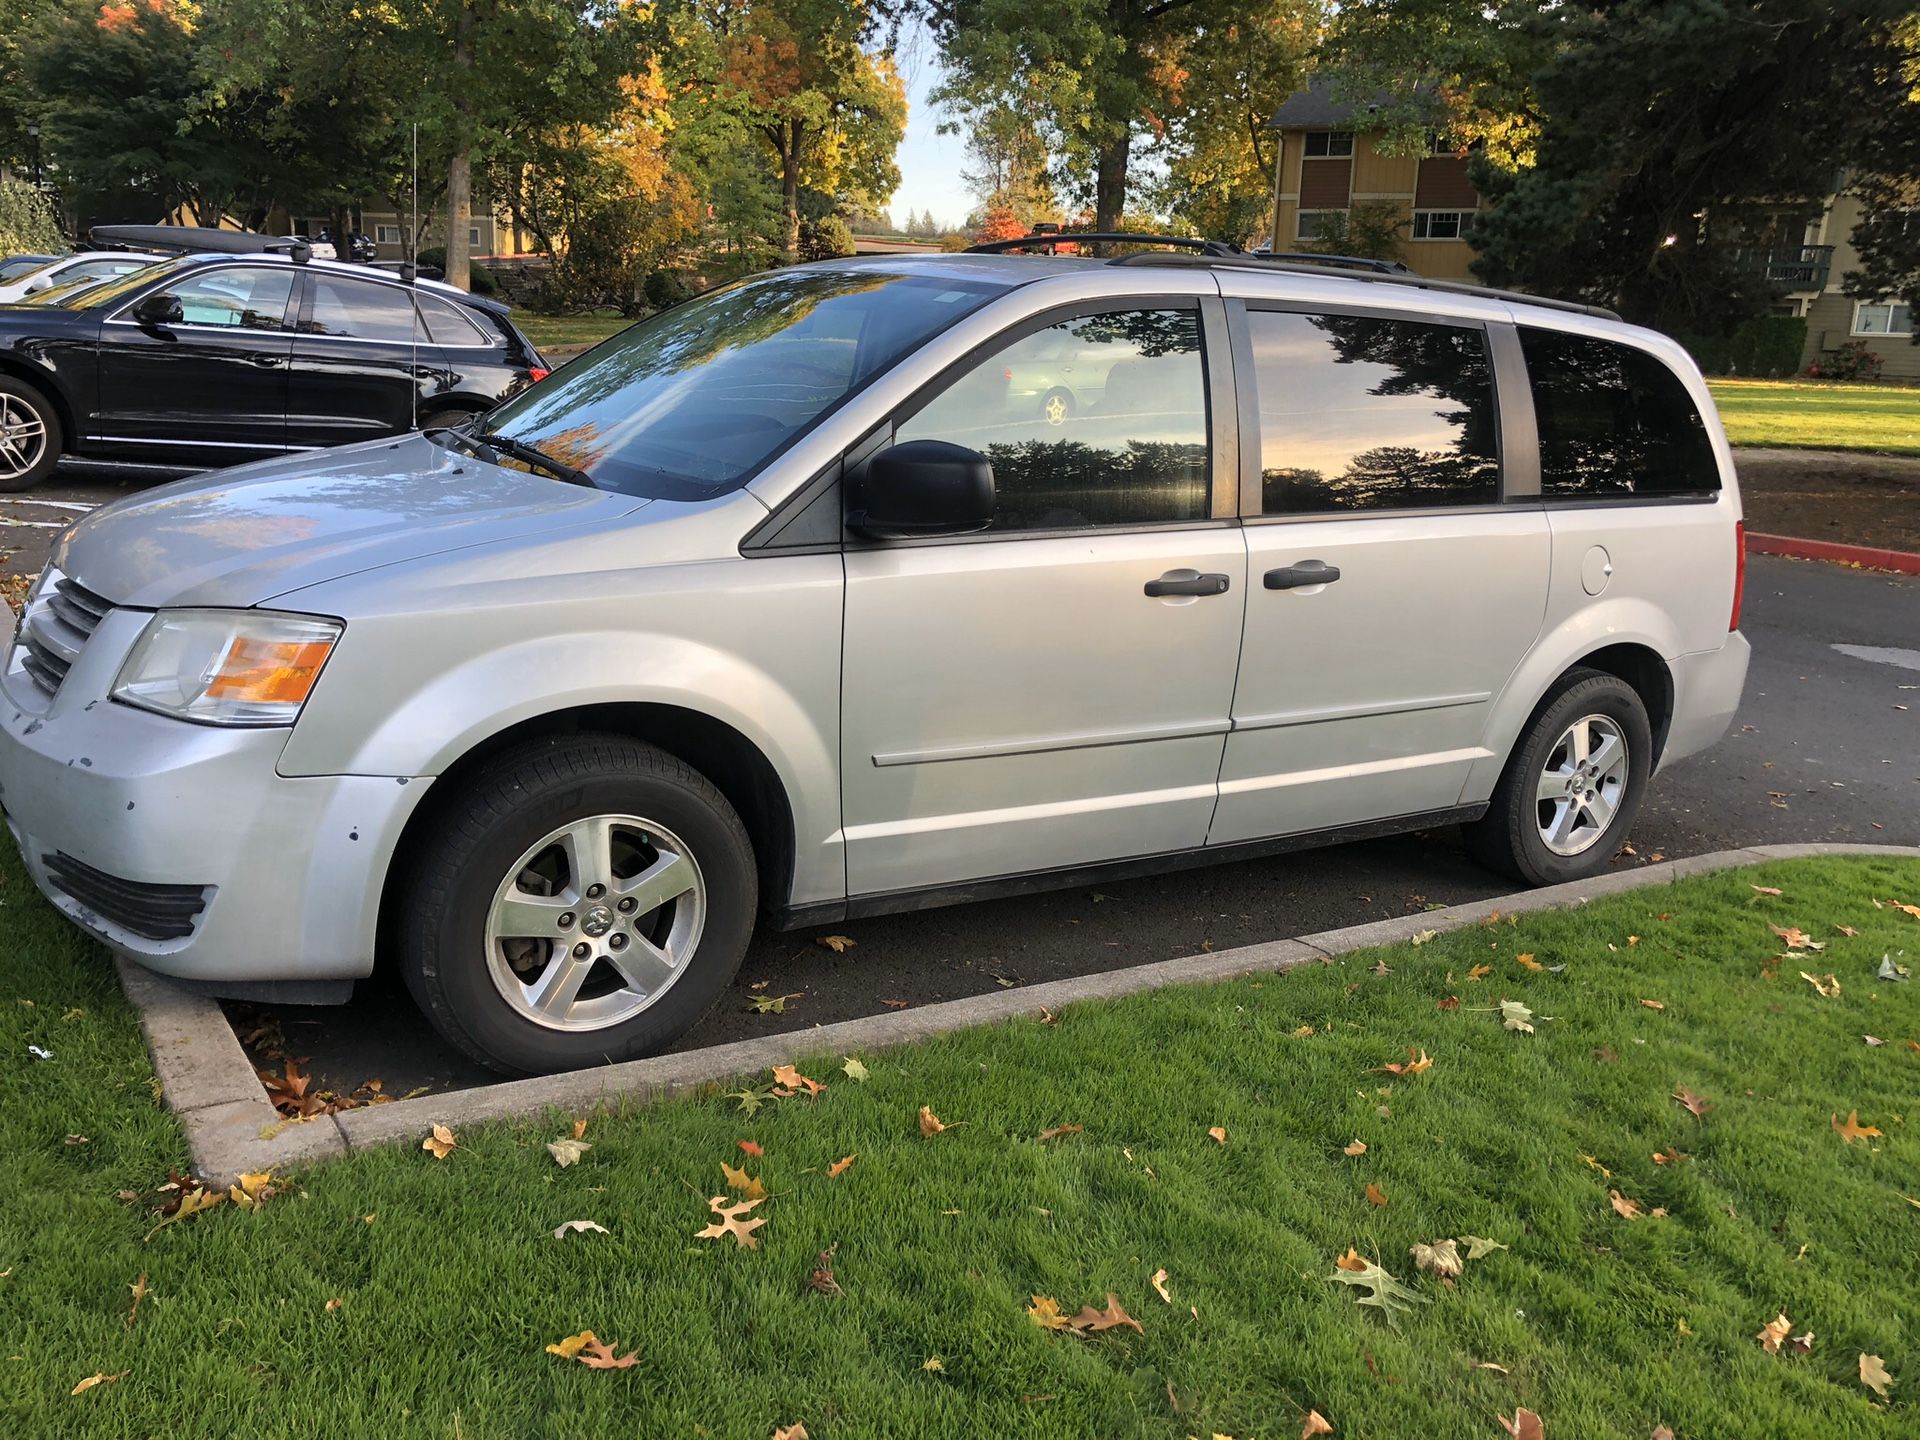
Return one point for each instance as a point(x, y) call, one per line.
point(1187, 582)
point(1307, 572)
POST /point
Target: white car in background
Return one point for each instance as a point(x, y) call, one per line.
point(88, 265)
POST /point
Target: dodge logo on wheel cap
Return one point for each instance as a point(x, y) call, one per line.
point(597, 921)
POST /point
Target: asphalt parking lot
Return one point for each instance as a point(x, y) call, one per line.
point(1827, 747)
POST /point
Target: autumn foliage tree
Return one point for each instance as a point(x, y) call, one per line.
point(1000, 224)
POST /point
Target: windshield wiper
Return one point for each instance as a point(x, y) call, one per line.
point(536, 458)
point(490, 448)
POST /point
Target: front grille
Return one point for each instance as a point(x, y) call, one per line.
point(153, 912)
point(58, 625)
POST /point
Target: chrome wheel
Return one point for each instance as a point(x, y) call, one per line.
point(23, 437)
point(1582, 785)
point(595, 922)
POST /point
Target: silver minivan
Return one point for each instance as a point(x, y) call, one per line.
point(802, 598)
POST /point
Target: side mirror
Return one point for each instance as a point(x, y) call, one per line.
point(159, 310)
point(921, 488)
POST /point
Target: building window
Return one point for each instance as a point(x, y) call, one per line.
point(473, 237)
point(1329, 144)
point(1888, 317)
point(1314, 224)
point(386, 234)
point(1438, 224)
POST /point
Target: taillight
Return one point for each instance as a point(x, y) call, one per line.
point(1739, 571)
point(538, 372)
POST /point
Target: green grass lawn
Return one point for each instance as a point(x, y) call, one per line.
point(552, 330)
point(1821, 417)
point(450, 1286)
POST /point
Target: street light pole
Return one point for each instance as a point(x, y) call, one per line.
point(33, 135)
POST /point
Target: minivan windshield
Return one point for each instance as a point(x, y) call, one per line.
point(693, 402)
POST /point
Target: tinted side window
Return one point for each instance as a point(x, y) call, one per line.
point(236, 297)
point(1358, 413)
point(1613, 420)
point(1100, 420)
point(445, 322)
point(359, 310)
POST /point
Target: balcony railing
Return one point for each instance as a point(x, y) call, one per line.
point(1791, 267)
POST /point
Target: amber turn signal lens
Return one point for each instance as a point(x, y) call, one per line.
point(269, 671)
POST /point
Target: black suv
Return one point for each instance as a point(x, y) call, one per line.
point(209, 359)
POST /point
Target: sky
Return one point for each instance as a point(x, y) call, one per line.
point(930, 164)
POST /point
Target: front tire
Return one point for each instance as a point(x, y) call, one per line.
point(1572, 786)
point(30, 436)
point(584, 900)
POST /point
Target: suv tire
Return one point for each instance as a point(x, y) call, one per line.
point(22, 408)
point(582, 900)
point(1572, 786)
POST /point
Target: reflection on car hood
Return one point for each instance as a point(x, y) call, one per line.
point(243, 536)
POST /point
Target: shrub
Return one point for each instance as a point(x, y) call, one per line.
point(1765, 346)
point(827, 238)
point(28, 224)
point(1851, 361)
point(667, 287)
point(480, 278)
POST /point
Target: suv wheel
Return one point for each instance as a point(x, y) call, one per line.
point(585, 900)
point(30, 439)
point(1572, 786)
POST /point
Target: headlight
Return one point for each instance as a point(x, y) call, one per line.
point(227, 667)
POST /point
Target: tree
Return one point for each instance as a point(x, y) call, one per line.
point(999, 224)
point(1009, 161)
point(1369, 229)
point(1105, 74)
point(797, 77)
point(1887, 183)
point(28, 225)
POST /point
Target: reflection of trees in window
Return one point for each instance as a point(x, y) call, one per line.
point(1151, 332)
point(1613, 420)
point(1067, 484)
point(1447, 363)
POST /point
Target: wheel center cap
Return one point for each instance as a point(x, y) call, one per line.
point(597, 921)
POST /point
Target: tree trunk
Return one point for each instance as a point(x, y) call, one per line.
point(790, 187)
point(342, 226)
point(460, 170)
point(1110, 182)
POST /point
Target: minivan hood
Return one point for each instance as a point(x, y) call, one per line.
point(240, 537)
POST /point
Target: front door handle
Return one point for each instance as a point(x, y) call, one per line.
point(1307, 572)
point(1187, 582)
point(265, 362)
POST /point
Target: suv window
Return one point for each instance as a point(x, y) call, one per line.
point(1362, 413)
point(237, 297)
point(1614, 420)
point(1100, 420)
point(359, 310)
point(446, 324)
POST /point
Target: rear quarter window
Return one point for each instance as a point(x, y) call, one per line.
point(1613, 420)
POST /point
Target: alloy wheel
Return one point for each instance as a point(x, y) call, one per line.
point(595, 922)
point(23, 437)
point(1582, 784)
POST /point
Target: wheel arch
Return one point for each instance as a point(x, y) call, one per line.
point(729, 759)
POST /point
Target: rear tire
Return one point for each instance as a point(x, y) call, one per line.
point(30, 436)
point(1572, 786)
point(582, 900)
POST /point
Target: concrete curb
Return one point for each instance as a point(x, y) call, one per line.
point(231, 1127)
point(1901, 562)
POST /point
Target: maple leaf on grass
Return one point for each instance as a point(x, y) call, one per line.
point(1314, 1424)
point(750, 1100)
point(1357, 1147)
point(1375, 1195)
point(1694, 1104)
point(1416, 1063)
point(1091, 1321)
point(1767, 890)
point(821, 1280)
point(441, 1143)
point(1479, 972)
point(1625, 1208)
point(1828, 986)
point(1528, 962)
point(1217, 1133)
point(567, 1151)
point(1873, 1375)
point(1669, 1156)
point(1853, 1130)
point(252, 1189)
point(591, 1351)
point(1160, 1285)
point(1525, 1425)
point(795, 1431)
point(1794, 938)
point(1441, 1258)
point(840, 1167)
point(738, 1179)
point(1517, 1017)
point(1045, 1312)
point(193, 1201)
point(732, 1222)
point(1890, 971)
point(1384, 1293)
point(1057, 1131)
point(854, 1071)
point(573, 1227)
point(1479, 1247)
point(1774, 1333)
point(750, 1147)
point(930, 1123)
point(789, 1079)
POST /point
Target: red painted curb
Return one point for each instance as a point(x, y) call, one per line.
point(1902, 562)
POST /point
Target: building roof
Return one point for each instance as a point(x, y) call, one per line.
point(1315, 107)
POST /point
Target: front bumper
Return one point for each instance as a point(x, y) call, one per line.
point(121, 814)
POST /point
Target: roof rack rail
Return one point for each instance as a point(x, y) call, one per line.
point(1095, 237)
point(1317, 266)
point(1314, 257)
point(195, 239)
